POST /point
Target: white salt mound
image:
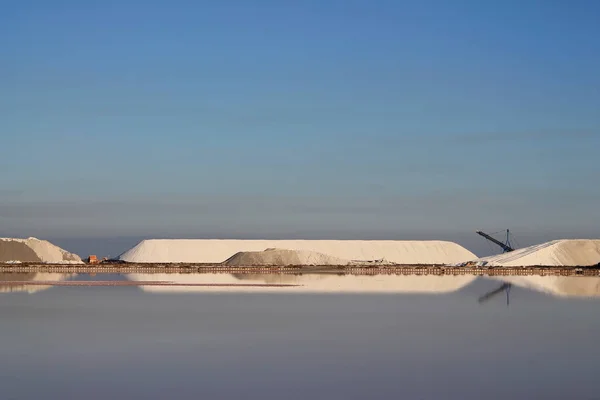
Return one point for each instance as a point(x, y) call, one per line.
point(557, 253)
point(215, 251)
point(283, 257)
point(35, 250)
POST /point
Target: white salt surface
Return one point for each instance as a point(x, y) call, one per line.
point(308, 283)
point(557, 253)
point(218, 250)
point(47, 252)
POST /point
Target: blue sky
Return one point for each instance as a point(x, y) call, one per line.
point(374, 119)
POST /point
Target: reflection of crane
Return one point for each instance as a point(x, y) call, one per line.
point(505, 287)
point(506, 246)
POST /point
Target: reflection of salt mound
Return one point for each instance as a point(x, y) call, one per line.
point(564, 286)
point(7, 277)
point(576, 253)
point(35, 250)
point(308, 283)
point(217, 250)
point(283, 257)
point(366, 283)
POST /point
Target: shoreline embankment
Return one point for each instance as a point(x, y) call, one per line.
point(328, 269)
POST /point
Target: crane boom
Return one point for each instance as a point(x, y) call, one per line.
point(505, 247)
point(489, 295)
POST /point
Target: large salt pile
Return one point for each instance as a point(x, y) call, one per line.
point(215, 251)
point(283, 257)
point(303, 283)
point(36, 251)
point(557, 253)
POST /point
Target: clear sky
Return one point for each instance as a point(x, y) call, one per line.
point(349, 119)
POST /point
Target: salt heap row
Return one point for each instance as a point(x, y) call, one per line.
point(557, 253)
point(292, 252)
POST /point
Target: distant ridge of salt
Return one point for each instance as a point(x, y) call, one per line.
point(219, 250)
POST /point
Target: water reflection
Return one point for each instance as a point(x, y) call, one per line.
point(558, 286)
point(315, 283)
point(107, 343)
point(561, 286)
point(503, 288)
point(24, 281)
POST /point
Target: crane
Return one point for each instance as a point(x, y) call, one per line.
point(504, 287)
point(505, 246)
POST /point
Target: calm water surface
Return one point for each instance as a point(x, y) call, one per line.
point(330, 337)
